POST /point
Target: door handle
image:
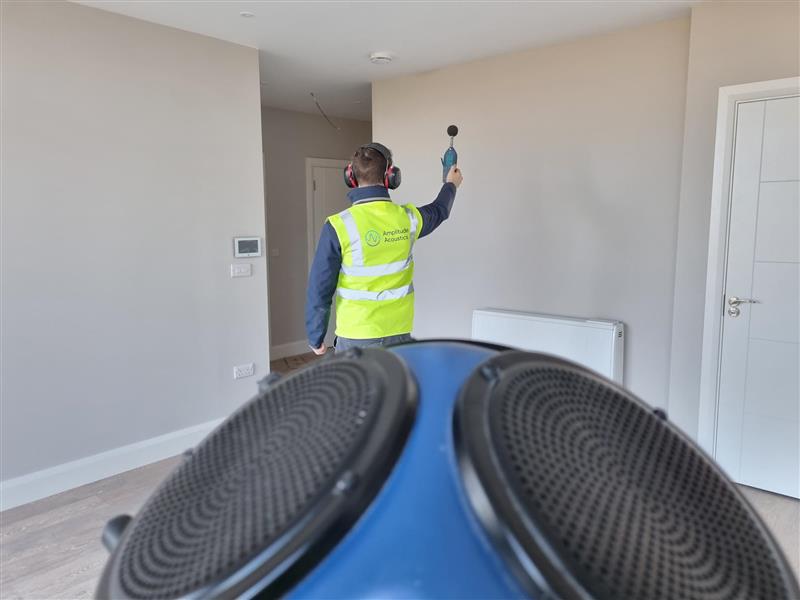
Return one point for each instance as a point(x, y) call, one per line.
point(735, 301)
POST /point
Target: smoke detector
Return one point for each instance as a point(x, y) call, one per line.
point(381, 58)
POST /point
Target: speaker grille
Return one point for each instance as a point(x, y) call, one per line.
point(615, 495)
point(249, 481)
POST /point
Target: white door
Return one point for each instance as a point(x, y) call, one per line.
point(758, 415)
point(328, 196)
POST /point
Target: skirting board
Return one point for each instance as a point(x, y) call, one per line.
point(40, 484)
point(290, 349)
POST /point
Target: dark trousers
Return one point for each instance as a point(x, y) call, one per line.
point(344, 344)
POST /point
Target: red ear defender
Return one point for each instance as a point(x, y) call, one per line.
point(350, 176)
point(392, 177)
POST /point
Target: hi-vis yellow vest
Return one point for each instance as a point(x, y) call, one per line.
point(375, 293)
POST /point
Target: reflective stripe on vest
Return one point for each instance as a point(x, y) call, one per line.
point(413, 229)
point(378, 270)
point(394, 294)
point(355, 238)
point(357, 268)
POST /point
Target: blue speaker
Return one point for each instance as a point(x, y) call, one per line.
point(445, 469)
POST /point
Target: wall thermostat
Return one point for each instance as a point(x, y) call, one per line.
point(245, 247)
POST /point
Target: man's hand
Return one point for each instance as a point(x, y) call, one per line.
point(454, 176)
point(321, 350)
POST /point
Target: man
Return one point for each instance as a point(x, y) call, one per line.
point(364, 256)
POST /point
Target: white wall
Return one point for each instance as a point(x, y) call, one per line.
point(131, 158)
point(289, 138)
point(571, 156)
point(731, 43)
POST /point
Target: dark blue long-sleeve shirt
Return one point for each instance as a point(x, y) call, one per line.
point(328, 259)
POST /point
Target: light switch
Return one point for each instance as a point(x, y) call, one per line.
point(241, 270)
point(274, 252)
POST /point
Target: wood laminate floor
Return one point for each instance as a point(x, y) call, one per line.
point(51, 548)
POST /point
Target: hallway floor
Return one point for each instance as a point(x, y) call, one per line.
point(292, 363)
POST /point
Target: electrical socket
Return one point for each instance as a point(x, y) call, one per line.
point(242, 371)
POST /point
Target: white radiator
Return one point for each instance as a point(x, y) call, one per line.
point(598, 345)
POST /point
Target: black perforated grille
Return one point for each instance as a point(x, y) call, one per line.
point(249, 481)
point(632, 509)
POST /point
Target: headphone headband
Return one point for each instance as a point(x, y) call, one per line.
point(384, 151)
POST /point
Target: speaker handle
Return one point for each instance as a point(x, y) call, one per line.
point(113, 531)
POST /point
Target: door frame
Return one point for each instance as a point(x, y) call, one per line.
point(730, 97)
point(310, 164)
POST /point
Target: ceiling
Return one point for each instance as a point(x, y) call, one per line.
point(323, 47)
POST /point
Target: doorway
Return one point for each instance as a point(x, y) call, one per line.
point(326, 195)
point(750, 388)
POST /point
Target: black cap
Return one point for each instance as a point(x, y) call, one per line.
point(452, 131)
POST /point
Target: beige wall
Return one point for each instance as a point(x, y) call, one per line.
point(572, 156)
point(131, 158)
point(289, 138)
point(731, 43)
